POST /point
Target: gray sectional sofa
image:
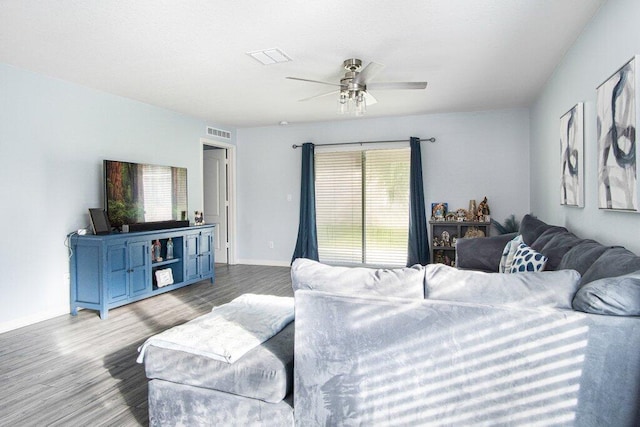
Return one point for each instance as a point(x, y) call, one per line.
point(433, 345)
point(559, 347)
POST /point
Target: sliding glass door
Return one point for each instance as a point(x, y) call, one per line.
point(362, 206)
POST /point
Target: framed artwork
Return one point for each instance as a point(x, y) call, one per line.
point(617, 105)
point(572, 157)
point(439, 210)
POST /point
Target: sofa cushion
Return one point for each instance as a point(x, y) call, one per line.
point(582, 256)
point(557, 246)
point(526, 259)
point(400, 282)
point(265, 372)
point(546, 236)
point(481, 253)
point(531, 228)
point(508, 253)
point(618, 296)
point(615, 261)
point(539, 289)
point(172, 404)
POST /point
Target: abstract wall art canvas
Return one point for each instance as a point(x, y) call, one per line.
point(572, 156)
point(617, 105)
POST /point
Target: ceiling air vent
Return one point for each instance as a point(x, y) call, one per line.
point(211, 131)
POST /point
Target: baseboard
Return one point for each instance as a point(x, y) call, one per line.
point(270, 262)
point(35, 318)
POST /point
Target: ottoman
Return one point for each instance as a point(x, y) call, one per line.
point(189, 389)
point(233, 366)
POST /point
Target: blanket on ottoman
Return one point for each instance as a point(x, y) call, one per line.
point(230, 330)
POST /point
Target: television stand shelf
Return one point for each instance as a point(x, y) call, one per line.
point(111, 270)
point(165, 262)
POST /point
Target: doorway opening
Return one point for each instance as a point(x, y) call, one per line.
point(218, 187)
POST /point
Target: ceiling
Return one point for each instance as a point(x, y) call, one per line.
point(190, 56)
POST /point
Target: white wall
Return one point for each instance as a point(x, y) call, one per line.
point(476, 155)
point(53, 138)
point(608, 41)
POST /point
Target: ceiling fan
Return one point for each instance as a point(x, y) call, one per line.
point(354, 86)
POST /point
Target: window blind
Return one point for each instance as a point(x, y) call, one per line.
point(362, 206)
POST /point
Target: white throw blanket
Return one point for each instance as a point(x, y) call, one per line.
point(230, 330)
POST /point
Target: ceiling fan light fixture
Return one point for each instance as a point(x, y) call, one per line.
point(353, 96)
point(343, 103)
point(361, 104)
point(352, 102)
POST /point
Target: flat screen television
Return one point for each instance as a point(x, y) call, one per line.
point(145, 197)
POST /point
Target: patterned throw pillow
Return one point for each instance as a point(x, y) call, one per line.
point(527, 259)
point(508, 253)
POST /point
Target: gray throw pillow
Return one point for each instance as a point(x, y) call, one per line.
point(398, 282)
point(537, 289)
point(618, 296)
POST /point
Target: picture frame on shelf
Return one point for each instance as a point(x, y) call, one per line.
point(439, 210)
point(617, 107)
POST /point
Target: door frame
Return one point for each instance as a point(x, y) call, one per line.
point(231, 185)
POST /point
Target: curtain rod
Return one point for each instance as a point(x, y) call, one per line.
point(432, 139)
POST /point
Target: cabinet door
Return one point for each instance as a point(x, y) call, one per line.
point(117, 272)
point(206, 253)
point(139, 280)
point(192, 266)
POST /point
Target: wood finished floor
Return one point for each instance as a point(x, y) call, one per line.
point(81, 371)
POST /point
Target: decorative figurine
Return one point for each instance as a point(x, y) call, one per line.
point(157, 247)
point(483, 210)
point(199, 218)
point(445, 238)
point(169, 248)
point(473, 232)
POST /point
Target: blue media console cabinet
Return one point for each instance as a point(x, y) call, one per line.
point(112, 270)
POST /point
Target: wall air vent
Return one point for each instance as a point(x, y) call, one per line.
point(219, 133)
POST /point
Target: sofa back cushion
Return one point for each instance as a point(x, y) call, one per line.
point(481, 253)
point(582, 256)
point(532, 228)
point(550, 233)
point(614, 261)
point(557, 246)
point(539, 289)
point(399, 282)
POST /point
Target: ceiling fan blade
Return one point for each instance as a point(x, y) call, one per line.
point(396, 85)
point(368, 73)
point(370, 99)
point(312, 81)
point(333, 92)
